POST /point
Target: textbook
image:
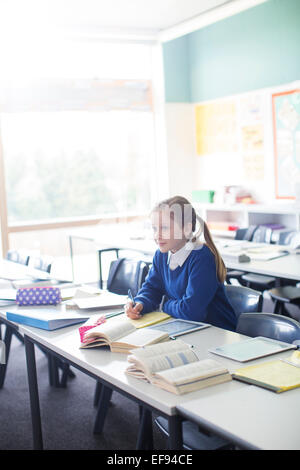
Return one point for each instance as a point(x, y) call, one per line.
point(252, 348)
point(46, 318)
point(279, 376)
point(175, 367)
point(119, 334)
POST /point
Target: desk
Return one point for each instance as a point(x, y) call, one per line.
point(285, 267)
point(109, 368)
point(17, 271)
point(252, 417)
point(12, 271)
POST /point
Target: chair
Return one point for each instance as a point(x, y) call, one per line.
point(100, 252)
point(287, 292)
point(242, 299)
point(42, 263)
point(284, 295)
point(260, 282)
point(269, 325)
point(291, 239)
point(263, 234)
point(17, 257)
point(124, 274)
point(240, 234)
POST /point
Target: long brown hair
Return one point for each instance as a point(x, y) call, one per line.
point(186, 209)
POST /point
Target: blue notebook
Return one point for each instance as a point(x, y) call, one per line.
point(46, 318)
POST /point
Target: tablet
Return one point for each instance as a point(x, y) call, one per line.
point(252, 348)
point(179, 327)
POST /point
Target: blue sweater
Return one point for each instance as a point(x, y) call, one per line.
point(193, 290)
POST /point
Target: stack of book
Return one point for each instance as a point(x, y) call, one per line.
point(175, 367)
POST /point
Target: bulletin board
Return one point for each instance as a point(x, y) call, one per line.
point(258, 134)
point(286, 132)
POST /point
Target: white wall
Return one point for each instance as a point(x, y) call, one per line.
point(181, 148)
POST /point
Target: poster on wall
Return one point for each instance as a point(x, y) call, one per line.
point(216, 127)
point(252, 130)
point(233, 127)
point(286, 131)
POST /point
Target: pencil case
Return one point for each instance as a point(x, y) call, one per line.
point(38, 296)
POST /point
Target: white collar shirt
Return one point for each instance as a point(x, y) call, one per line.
point(178, 258)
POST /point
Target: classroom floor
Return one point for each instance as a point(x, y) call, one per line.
point(68, 413)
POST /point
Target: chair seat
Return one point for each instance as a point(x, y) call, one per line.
point(193, 438)
point(288, 294)
point(235, 274)
point(258, 279)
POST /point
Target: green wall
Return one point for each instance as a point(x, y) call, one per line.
point(176, 70)
point(254, 49)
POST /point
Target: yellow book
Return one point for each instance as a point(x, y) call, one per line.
point(278, 376)
point(150, 319)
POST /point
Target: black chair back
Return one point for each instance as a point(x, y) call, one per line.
point(17, 257)
point(262, 235)
point(126, 273)
point(243, 299)
point(246, 233)
point(43, 263)
point(293, 239)
point(270, 325)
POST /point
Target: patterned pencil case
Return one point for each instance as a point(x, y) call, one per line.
point(38, 296)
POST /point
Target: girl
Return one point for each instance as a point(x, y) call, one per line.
point(187, 274)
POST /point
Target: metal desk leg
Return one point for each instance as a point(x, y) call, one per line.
point(33, 394)
point(97, 393)
point(72, 255)
point(175, 433)
point(7, 342)
point(145, 435)
point(103, 405)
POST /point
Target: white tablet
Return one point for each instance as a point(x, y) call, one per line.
point(252, 348)
point(179, 327)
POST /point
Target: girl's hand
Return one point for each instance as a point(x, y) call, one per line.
point(133, 312)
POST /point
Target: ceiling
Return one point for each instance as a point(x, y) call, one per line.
point(95, 17)
point(153, 15)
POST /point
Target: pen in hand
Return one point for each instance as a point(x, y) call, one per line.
point(133, 311)
point(160, 308)
point(131, 297)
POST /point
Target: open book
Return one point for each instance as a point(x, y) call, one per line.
point(120, 335)
point(175, 367)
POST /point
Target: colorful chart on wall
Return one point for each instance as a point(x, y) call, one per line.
point(216, 125)
point(233, 126)
point(286, 128)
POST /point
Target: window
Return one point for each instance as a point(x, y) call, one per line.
point(77, 163)
point(77, 130)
